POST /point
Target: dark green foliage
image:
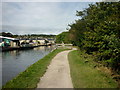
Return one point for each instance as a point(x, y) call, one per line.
point(63, 38)
point(6, 34)
point(98, 33)
point(36, 36)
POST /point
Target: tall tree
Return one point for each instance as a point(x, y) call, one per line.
point(98, 32)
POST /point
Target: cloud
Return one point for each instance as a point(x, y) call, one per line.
point(30, 30)
point(42, 15)
point(51, 0)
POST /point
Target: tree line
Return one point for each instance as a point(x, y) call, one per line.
point(98, 32)
point(8, 34)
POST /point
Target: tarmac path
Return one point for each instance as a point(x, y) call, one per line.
point(58, 73)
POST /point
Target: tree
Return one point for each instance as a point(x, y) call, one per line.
point(6, 34)
point(97, 32)
point(63, 37)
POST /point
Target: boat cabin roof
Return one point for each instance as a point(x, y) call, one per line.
point(9, 38)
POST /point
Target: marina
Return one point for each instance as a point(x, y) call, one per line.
point(8, 43)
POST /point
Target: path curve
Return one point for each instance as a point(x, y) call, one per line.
point(58, 73)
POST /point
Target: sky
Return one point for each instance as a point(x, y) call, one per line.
point(39, 17)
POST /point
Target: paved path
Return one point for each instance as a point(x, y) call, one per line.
point(58, 73)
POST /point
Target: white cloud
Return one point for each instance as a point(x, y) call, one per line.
point(45, 15)
point(30, 30)
point(51, 0)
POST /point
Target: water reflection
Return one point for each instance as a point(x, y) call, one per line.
point(14, 62)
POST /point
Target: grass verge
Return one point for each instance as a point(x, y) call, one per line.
point(85, 75)
point(30, 77)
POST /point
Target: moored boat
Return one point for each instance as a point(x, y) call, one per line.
point(8, 48)
point(26, 46)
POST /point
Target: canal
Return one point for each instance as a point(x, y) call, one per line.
point(14, 62)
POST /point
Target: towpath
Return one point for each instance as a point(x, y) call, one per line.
point(58, 73)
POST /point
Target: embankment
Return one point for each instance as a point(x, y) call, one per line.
point(85, 74)
point(30, 77)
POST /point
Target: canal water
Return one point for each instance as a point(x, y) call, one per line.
point(14, 62)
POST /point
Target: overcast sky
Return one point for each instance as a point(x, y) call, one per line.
point(39, 17)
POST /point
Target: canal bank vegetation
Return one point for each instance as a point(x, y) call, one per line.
point(86, 74)
point(63, 38)
point(31, 76)
point(97, 32)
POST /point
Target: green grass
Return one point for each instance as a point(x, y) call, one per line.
point(30, 77)
point(84, 75)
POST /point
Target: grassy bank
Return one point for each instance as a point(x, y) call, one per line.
point(30, 77)
point(85, 74)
